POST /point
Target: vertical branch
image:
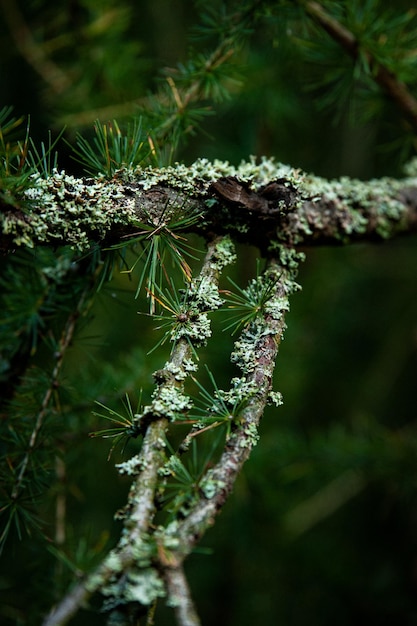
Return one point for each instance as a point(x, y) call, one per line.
point(61, 504)
point(127, 574)
point(179, 597)
point(255, 353)
point(63, 345)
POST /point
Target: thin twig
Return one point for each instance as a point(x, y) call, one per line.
point(61, 502)
point(265, 335)
point(63, 345)
point(224, 474)
point(179, 597)
point(393, 87)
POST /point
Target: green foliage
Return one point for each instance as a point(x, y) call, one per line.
point(248, 303)
point(112, 149)
point(14, 169)
point(43, 294)
point(328, 467)
point(344, 81)
point(21, 160)
point(219, 408)
point(122, 429)
point(184, 476)
point(160, 244)
point(179, 323)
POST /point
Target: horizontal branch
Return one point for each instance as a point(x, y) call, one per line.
point(257, 202)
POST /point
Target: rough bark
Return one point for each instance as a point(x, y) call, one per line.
point(260, 203)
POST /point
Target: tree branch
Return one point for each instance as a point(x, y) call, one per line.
point(255, 354)
point(255, 202)
point(63, 345)
point(179, 597)
point(387, 80)
point(127, 573)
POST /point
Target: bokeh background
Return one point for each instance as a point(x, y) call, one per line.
point(322, 526)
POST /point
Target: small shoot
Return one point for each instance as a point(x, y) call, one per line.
point(45, 160)
point(217, 408)
point(247, 304)
point(160, 242)
point(123, 427)
point(20, 159)
point(17, 516)
point(183, 478)
point(178, 318)
point(112, 149)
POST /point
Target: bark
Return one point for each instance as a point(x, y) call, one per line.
point(261, 203)
point(269, 205)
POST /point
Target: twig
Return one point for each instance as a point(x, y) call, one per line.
point(61, 502)
point(138, 516)
point(393, 87)
point(179, 597)
point(224, 51)
point(63, 345)
point(223, 476)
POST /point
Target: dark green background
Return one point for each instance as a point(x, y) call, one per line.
point(343, 445)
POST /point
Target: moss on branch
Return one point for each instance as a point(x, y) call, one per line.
point(257, 201)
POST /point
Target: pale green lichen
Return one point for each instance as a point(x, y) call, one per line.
point(275, 398)
point(114, 563)
point(196, 178)
point(276, 306)
point(387, 213)
point(168, 540)
point(204, 295)
point(131, 467)
point(139, 585)
point(177, 372)
point(410, 168)
point(290, 258)
point(210, 486)
point(189, 365)
point(196, 329)
point(358, 201)
point(168, 401)
point(240, 391)
point(224, 254)
point(243, 354)
point(65, 208)
point(252, 436)
point(144, 586)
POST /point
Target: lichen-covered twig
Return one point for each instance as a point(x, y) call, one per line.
point(127, 574)
point(179, 596)
point(255, 354)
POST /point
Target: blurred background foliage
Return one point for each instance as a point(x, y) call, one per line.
point(322, 525)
